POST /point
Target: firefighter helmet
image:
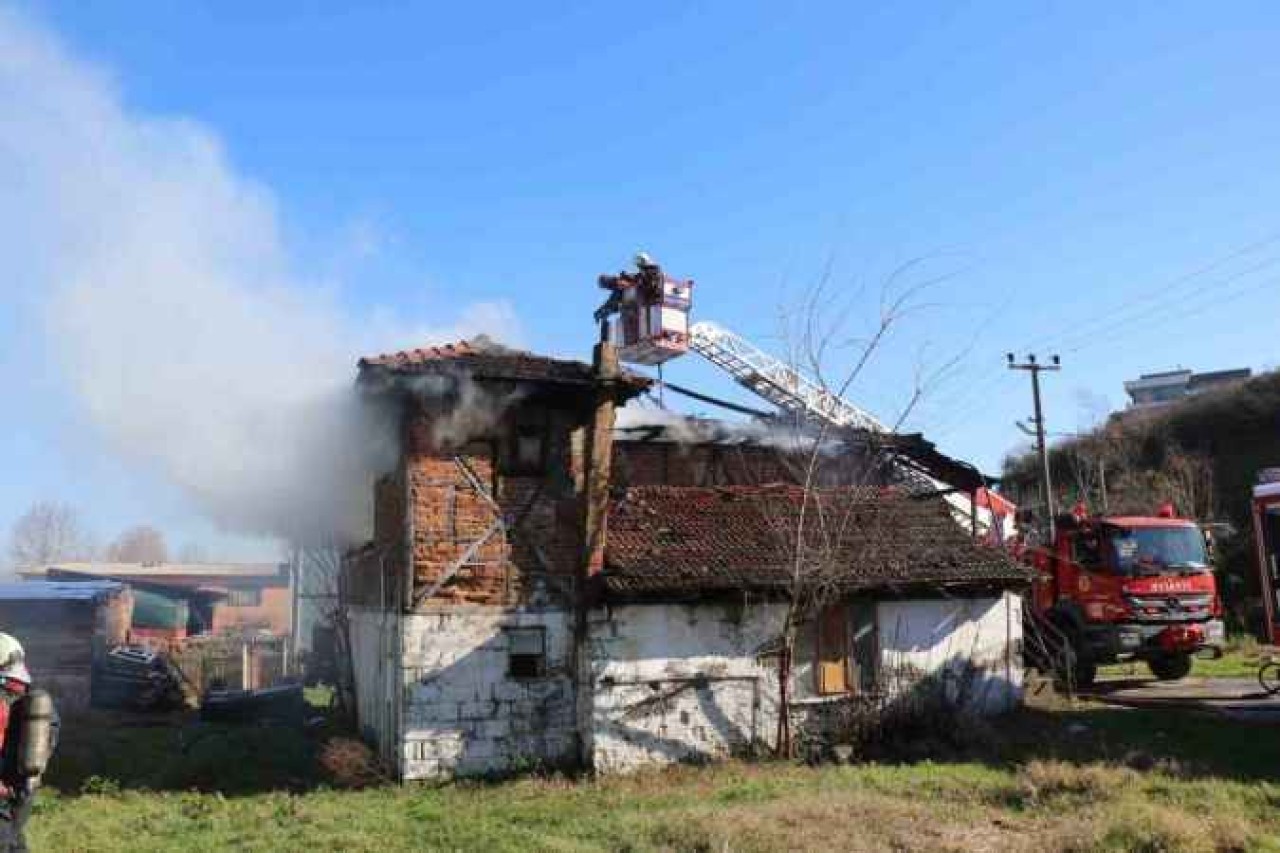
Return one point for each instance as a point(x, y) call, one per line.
point(13, 660)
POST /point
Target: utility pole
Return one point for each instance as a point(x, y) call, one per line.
point(1046, 483)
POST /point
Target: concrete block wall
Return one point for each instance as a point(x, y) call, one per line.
point(463, 713)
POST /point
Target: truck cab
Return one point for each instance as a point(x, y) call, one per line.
point(1131, 588)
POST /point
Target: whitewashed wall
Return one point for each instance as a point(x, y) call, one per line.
point(952, 635)
point(682, 682)
point(375, 650)
point(463, 715)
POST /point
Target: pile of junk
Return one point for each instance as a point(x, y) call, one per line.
point(139, 678)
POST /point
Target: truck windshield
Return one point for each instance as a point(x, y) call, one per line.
point(1151, 550)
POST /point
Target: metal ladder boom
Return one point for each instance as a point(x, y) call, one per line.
point(791, 391)
point(771, 379)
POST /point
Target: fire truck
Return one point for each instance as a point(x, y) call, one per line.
point(1120, 588)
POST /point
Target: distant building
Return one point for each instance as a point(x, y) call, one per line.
point(1157, 389)
point(65, 629)
point(175, 600)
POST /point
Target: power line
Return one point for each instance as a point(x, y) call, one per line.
point(1139, 319)
point(1163, 289)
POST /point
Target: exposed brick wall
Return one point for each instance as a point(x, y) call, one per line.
point(660, 463)
point(536, 561)
point(271, 613)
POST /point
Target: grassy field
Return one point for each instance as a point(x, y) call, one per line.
point(1076, 778)
point(1242, 658)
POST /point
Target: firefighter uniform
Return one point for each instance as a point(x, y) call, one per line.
point(15, 791)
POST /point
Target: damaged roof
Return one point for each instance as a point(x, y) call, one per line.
point(484, 358)
point(675, 541)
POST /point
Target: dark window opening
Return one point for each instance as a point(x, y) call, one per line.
point(525, 450)
point(526, 652)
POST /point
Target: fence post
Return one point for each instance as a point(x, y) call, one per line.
point(246, 676)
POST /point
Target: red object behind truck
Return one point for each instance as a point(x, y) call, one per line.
point(1129, 588)
point(1266, 535)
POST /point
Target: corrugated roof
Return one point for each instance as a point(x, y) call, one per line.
point(666, 540)
point(484, 358)
point(162, 570)
point(58, 590)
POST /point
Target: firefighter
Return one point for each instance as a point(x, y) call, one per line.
point(17, 787)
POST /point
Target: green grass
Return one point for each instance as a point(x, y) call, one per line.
point(1242, 658)
point(1084, 777)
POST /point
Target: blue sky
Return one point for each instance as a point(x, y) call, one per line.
point(1099, 178)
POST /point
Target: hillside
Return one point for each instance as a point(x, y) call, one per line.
point(1203, 454)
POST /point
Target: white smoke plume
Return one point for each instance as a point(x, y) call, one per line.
point(172, 307)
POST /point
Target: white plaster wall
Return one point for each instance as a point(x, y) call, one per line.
point(933, 635)
point(463, 715)
point(374, 649)
point(680, 682)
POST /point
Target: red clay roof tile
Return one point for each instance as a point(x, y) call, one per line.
point(667, 540)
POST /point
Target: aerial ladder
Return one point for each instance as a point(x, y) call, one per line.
point(646, 317)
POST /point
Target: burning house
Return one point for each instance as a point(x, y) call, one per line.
point(542, 591)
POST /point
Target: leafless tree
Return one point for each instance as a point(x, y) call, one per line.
point(815, 535)
point(46, 533)
point(192, 552)
point(141, 543)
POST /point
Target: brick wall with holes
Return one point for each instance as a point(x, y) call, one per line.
point(498, 520)
point(638, 463)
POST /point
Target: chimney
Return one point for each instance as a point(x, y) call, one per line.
point(598, 459)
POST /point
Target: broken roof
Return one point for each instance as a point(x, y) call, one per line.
point(484, 358)
point(674, 541)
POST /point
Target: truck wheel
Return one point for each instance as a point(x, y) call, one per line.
point(1170, 667)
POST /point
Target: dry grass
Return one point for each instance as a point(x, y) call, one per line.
point(1090, 779)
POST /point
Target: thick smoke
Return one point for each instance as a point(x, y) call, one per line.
point(171, 306)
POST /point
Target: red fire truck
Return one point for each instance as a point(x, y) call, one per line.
point(1266, 536)
point(1129, 588)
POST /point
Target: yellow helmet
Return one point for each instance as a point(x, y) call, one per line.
point(13, 660)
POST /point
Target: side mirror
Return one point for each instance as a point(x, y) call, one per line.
point(1209, 547)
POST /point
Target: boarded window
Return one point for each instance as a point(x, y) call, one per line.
point(833, 650)
point(244, 597)
point(847, 648)
point(526, 652)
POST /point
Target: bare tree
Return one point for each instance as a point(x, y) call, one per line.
point(815, 535)
point(46, 533)
point(141, 543)
point(192, 552)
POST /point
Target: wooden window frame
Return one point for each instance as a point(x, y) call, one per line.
point(853, 678)
point(825, 664)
